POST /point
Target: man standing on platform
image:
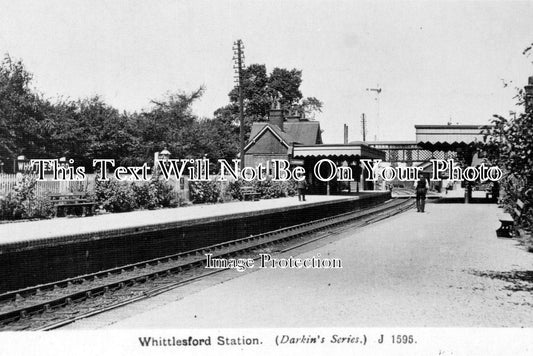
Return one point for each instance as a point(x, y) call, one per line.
point(302, 186)
point(421, 187)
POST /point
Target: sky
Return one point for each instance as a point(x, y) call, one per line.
point(435, 62)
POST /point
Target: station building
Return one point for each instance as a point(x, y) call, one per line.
point(287, 135)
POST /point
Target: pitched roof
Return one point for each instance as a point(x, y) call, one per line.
point(258, 130)
point(286, 137)
point(302, 132)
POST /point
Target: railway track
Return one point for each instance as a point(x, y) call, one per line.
point(52, 305)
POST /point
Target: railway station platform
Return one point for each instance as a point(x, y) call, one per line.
point(442, 268)
point(20, 232)
point(43, 251)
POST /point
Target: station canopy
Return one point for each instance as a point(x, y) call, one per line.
point(339, 151)
point(449, 137)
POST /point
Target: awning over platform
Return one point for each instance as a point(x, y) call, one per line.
point(355, 150)
point(446, 137)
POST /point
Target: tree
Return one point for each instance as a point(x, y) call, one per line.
point(20, 119)
point(216, 139)
point(309, 106)
point(287, 84)
point(255, 92)
point(509, 145)
point(62, 129)
point(104, 133)
point(170, 124)
point(85, 129)
point(260, 90)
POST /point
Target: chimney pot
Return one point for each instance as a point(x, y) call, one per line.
point(275, 117)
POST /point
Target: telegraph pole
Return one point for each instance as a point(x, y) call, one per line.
point(378, 91)
point(363, 126)
point(238, 57)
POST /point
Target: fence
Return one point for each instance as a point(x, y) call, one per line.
point(43, 188)
point(9, 181)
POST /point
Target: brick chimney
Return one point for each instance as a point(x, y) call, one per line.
point(345, 134)
point(275, 117)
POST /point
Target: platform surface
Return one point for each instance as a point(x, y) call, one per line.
point(456, 193)
point(442, 268)
point(45, 229)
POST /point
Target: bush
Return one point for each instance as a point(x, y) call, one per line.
point(205, 192)
point(144, 196)
point(234, 189)
point(112, 196)
point(115, 196)
point(10, 207)
point(22, 202)
point(163, 193)
point(292, 188)
point(268, 189)
point(42, 208)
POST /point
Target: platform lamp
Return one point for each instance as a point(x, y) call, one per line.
point(63, 161)
point(164, 155)
point(161, 156)
point(21, 160)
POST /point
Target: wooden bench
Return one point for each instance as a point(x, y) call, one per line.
point(508, 228)
point(249, 193)
point(64, 202)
